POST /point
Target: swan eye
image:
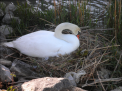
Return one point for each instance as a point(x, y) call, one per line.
point(79, 32)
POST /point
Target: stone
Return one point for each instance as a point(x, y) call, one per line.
point(5, 74)
point(104, 73)
point(2, 37)
point(5, 62)
point(46, 84)
point(71, 77)
point(74, 77)
point(3, 90)
point(98, 89)
point(1, 13)
point(10, 8)
point(5, 29)
point(19, 83)
point(8, 18)
point(73, 89)
point(22, 69)
point(118, 89)
point(5, 52)
point(2, 5)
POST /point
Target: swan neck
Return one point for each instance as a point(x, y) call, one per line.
point(60, 28)
point(58, 32)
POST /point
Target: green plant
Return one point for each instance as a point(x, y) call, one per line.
point(2, 6)
point(11, 88)
point(30, 17)
point(114, 17)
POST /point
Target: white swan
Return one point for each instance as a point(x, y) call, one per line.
point(44, 44)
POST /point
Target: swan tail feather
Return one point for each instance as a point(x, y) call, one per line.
point(8, 44)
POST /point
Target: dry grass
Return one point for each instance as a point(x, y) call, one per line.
point(96, 47)
point(92, 54)
point(95, 50)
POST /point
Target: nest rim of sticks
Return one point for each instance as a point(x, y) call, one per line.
point(94, 47)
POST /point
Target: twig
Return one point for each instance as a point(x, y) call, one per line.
point(83, 28)
point(76, 66)
point(103, 61)
point(10, 54)
point(6, 39)
point(103, 80)
point(47, 21)
point(89, 65)
point(115, 68)
point(18, 82)
point(104, 47)
point(103, 37)
point(55, 10)
point(116, 65)
point(93, 51)
point(99, 56)
point(28, 30)
point(100, 29)
point(50, 25)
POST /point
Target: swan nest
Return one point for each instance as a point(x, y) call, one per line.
point(91, 56)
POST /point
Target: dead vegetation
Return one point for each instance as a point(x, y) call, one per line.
point(93, 54)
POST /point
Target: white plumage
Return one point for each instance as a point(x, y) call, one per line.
point(45, 44)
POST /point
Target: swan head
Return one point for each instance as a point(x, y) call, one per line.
point(75, 30)
point(72, 27)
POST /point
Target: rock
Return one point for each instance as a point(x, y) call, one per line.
point(20, 82)
point(5, 29)
point(18, 86)
point(10, 8)
point(5, 62)
point(1, 13)
point(8, 18)
point(3, 90)
point(73, 89)
point(5, 74)
point(2, 5)
point(98, 89)
point(46, 84)
point(74, 78)
point(71, 77)
point(5, 52)
point(104, 73)
point(22, 69)
point(2, 37)
point(118, 89)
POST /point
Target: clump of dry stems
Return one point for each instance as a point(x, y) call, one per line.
point(94, 51)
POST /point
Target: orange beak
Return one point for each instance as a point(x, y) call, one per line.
point(78, 36)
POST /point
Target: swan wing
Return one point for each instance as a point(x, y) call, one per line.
point(39, 44)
